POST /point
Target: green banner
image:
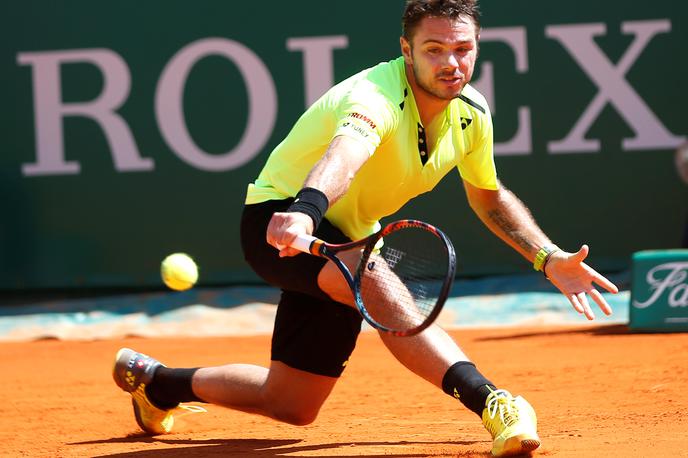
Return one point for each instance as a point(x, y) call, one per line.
point(130, 130)
point(659, 294)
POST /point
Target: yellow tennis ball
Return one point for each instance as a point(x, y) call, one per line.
point(179, 271)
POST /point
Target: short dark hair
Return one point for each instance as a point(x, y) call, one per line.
point(416, 10)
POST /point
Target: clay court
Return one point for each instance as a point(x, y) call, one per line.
point(599, 391)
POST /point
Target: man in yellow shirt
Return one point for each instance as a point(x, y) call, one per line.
point(404, 156)
point(368, 146)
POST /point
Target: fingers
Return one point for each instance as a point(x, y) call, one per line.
point(288, 251)
point(604, 306)
point(576, 282)
point(587, 310)
point(580, 303)
point(281, 240)
point(596, 277)
point(283, 229)
point(604, 283)
point(573, 299)
point(284, 245)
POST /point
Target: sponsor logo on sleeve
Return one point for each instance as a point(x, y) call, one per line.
point(360, 124)
point(363, 118)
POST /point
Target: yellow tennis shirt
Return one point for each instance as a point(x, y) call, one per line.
point(376, 106)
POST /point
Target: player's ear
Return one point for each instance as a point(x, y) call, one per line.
point(406, 50)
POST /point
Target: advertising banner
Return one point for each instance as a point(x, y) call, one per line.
point(130, 130)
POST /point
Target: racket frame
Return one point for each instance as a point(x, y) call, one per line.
point(317, 247)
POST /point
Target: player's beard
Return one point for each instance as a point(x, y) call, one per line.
point(433, 91)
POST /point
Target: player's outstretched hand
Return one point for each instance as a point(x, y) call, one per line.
point(283, 229)
point(575, 279)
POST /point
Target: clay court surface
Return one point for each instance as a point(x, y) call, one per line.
point(599, 392)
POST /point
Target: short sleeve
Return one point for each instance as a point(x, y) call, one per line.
point(365, 114)
point(477, 164)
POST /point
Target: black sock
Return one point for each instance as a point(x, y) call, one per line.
point(465, 383)
point(171, 386)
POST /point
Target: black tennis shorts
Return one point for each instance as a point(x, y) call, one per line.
point(312, 332)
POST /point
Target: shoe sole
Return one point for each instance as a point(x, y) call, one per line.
point(139, 421)
point(528, 445)
point(519, 445)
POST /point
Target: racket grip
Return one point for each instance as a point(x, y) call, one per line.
point(301, 243)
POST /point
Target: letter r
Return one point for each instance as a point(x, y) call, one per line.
point(49, 109)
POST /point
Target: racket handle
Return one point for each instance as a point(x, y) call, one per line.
point(301, 243)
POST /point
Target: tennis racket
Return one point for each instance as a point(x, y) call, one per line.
point(403, 277)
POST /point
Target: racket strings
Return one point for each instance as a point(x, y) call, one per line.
point(401, 284)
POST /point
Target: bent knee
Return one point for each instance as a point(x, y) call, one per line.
point(295, 416)
point(294, 396)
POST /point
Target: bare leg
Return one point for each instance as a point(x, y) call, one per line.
point(281, 392)
point(432, 355)
point(428, 354)
point(294, 396)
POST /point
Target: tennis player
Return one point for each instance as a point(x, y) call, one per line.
point(363, 150)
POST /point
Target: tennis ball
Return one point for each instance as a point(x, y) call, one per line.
point(179, 271)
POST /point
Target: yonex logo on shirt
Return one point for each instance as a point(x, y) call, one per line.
point(358, 129)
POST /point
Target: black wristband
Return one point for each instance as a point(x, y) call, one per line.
point(312, 202)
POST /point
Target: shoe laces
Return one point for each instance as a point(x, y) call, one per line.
point(503, 402)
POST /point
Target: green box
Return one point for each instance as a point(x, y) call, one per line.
point(659, 291)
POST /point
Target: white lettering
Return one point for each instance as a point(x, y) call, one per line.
point(514, 37)
point(318, 62)
point(678, 272)
point(262, 111)
point(49, 109)
point(579, 41)
point(678, 297)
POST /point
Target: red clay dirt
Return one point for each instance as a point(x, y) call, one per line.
point(598, 391)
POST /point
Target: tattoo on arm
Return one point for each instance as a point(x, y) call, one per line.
point(502, 220)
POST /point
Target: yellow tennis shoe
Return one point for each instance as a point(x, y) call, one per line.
point(512, 423)
point(132, 372)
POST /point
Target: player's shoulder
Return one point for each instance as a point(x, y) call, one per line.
point(388, 76)
point(474, 100)
point(382, 83)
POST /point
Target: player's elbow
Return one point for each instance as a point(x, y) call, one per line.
point(481, 199)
